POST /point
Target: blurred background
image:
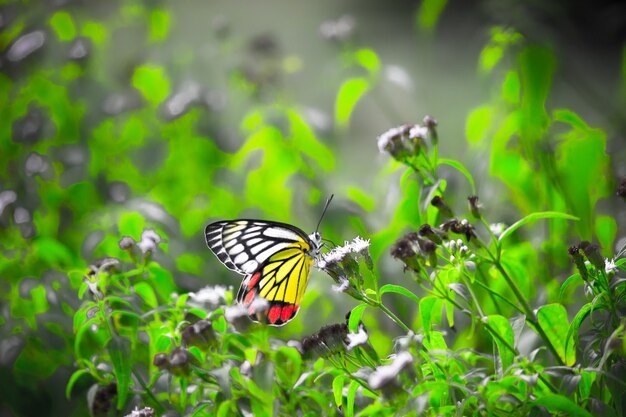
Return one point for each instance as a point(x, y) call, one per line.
point(124, 115)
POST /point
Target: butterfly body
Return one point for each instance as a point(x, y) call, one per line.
point(276, 260)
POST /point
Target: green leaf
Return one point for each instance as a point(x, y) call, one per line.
point(368, 59)
point(52, 252)
point(429, 308)
point(120, 354)
point(290, 366)
point(553, 321)
point(534, 217)
point(304, 140)
point(572, 333)
point(159, 25)
point(349, 94)
point(70, 383)
point(352, 389)
point(582, 146)
point(429, 12)
point(504, 339)
point(145, 291)
point(556, 403)
point(489, 58)
point(357, 195)
point(63, 26)
point(338, 389)
point(131, 224)
point(95, 31)
point(190, 263)
point(571, 280)
point(537, 65)
point(398, 290)
point(355, 317)
point(606, 230)
point(478, 124)
point(459, 167)
point(511, 87)
point(152, 82)
point(224, 409)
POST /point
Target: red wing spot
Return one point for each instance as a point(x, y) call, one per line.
point(274, 314)
point(249, 297)
point(254, 279)
point(295, 309)
point(287, 313)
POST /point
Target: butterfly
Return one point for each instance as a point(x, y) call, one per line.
point(276, 260)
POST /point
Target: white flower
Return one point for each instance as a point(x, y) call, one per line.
point(384, 140)
point(418, 131)
point(359, 245)
point(343, 285)
point(386, 373)
point(497, 228)
point(357, 339)
point(212, 296)
point(149, 241)
point(609, 266)
point(336, 255)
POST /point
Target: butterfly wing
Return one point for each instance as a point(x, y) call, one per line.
point(243, 245)
point(275, 257)
point(272, 294)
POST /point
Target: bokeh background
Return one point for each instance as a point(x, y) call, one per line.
point(123, 115)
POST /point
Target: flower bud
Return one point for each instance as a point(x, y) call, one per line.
point(592, 252)
point(474, 206)
point(404, 250)
point(441, 205)
point(579, 262)
point(433, 234)
point(431, 124)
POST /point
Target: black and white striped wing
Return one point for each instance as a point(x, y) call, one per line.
point(243, 245)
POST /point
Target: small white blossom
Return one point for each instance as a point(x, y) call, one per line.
point(343, 285)
point(386, 373)
point(357, 339)
point(452, 259)
point(464, 222)
point(359, 245)
point(336, 255)
point(212, 296)
point(149, 241)
point(384, 140)
point(609, 266)
point(497, 229)
point(418, 131)
point(233, 313)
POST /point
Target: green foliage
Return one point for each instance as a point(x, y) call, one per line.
point(103, 204)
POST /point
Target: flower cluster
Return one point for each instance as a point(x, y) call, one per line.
point(342, 264)
point(177, 362)
point(406, 142)
point(199, 334)
point(146, 246)
point(413, 250)
point(457, 248)
point(334, 339)
point(592, 267)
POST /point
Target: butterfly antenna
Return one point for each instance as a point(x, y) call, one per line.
point(324, 211)
point(329, 243)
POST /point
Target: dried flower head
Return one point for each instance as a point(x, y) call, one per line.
point(474, 206)
point(386, 375)
point(357, 339)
